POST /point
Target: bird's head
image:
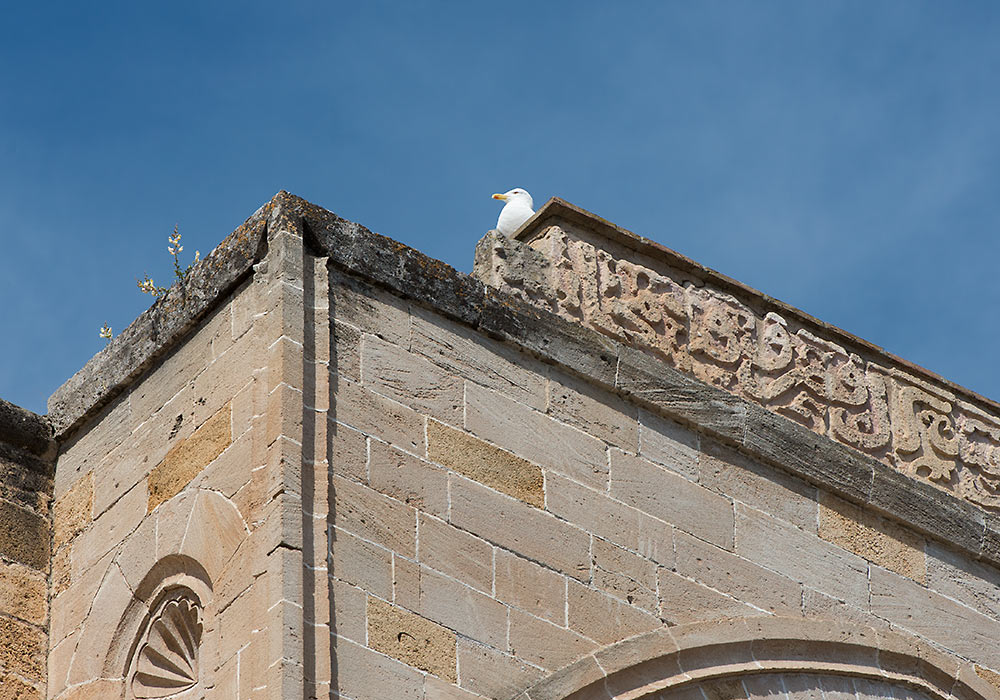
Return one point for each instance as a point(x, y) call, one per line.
point(516, 195)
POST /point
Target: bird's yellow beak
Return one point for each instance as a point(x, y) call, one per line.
point(501, 197)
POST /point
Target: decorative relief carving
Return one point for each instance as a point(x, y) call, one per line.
point(166, 661)
point(906, 423)
point(723, 337)
point(924, 435)
point(979, 451)
point(862, 418)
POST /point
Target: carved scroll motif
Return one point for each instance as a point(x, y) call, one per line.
point(979, 449)
point(862, 418)
point(644, 307)
point(620, 299)
point(924, 435)
point(788, 374)
point(904, 421)
point(723, 335)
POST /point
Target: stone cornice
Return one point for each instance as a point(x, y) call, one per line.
point(600, 359)
point(556, 208)
point(24, 430)
point(730, 336)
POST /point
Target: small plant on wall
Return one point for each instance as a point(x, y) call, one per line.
point(148, 286)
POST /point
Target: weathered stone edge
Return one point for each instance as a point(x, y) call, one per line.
point(25, 430)
point(557, 208)
point(161, 326)
point(653, 384)
point(574, 347)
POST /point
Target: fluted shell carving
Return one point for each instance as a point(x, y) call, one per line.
point(167, 660)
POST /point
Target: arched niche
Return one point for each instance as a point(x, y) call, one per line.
point(760, 658)
point(149, 632)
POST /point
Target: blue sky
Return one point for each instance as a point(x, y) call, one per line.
point(841, 156)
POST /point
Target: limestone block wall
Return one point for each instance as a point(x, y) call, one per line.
point(495, 518)
point(177, 568)
point(26, 466)
point(332, 467)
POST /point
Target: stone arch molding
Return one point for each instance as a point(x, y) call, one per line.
point(729, 659)
point(148, 630)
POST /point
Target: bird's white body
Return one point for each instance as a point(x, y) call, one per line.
point(517, 210)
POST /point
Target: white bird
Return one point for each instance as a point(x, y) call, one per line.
point(515, 212)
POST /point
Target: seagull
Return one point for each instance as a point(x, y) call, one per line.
point(515, 212)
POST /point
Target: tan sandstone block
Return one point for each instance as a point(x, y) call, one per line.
point(348, 451)
point(405, 582)
point(88, 445)
point(349, 610)
point(463, 609)
point(469, 354)
point(284, 414)
point(61, 571)
point(485, 463)
point(409, 479)
point(455, 552)
point(376, 415)
point(736, 576)
point(345, 352)
point(22, 649)
point(869, 536)
point(545, 644)
point(371, 309)
point(24, 536)
point(683, 601)
point(597, 412)
point(60, 657)
point(665, 442)
point(941, 620)
point(758, 485)
point(374, 517)
point(672, 498)
point(23, 593)
point(535, 589)
point(612, 520)
point(604, 619)
point(975, 584)
point(13, 688)
point(70, 607)
point(72, 513)
point(411, 379)
point(437, 689)
point(801, 556)
point(363, 674)
point(110, 529)
point(492, 673)
point(527, 531)
point(535, 436)
point(361, 563)
point(285, 364)
point(186, 459)
point(991, 677)
point(96, 690)
point(412, 639)
point(214, 388)
point(625, 575)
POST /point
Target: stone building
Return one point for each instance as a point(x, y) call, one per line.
point(329, 466)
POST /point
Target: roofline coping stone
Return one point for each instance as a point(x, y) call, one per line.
point(574, 348)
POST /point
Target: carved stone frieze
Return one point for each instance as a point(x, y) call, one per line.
point(859, 417)
point(924, 435)
point(979, 452)
point(723, 337)
point(908, 423)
